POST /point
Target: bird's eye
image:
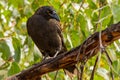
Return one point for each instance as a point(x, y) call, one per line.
point(49, 12)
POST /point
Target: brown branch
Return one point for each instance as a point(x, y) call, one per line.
point(88, 49)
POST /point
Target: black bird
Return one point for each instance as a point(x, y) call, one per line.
point(44, 29)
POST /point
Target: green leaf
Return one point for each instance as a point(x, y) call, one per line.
point(36, 57)
point(116, 12)
point(5, 50)
point(92, 5)
point(17, 47)
point(105, 16)
point(13, 69)
point(16, 4)
point(83, 26)
point(1, 34)
point(116, 67)
point(75, 38)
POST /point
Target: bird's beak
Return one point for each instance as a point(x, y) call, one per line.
point(55, 16)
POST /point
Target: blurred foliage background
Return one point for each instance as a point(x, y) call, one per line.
point(79, 19)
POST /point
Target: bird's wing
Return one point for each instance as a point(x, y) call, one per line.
point(56, 25)
point(59, 30)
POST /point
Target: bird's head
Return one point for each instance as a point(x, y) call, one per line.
point(47, 12)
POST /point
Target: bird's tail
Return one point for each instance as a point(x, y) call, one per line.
point(70, 71)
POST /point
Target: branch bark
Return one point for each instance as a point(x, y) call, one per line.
point(86, 50)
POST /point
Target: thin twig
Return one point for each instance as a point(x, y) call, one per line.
point(93, 71)
point(110, 63)
point(55, 78)
point(81, 70)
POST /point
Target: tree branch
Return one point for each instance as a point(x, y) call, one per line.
point(87, 49)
